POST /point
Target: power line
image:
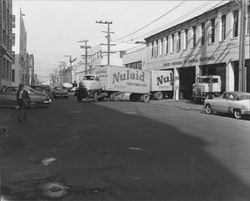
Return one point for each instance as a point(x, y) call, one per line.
point(172, 23)
point(151, 22)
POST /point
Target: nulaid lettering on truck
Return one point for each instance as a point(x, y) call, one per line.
point(117, 77)
point(164, 79)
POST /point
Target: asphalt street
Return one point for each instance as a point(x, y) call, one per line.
point(162, 150)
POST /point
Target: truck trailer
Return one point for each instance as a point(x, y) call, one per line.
point(111, 81)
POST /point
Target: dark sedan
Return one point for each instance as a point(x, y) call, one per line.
point(8, 96)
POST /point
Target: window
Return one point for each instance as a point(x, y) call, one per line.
point(248, 20)
point(166, 46)
point(194, 36)
point(161, 53)
point(203, 31)
point(223, 27)
point(179, 41)
point(152, 49)
point(172, 43)
point(156, 48)
point(212, 31)
point(185, 39)
point(235, 23)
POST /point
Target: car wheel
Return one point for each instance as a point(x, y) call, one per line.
point(33, 105)
point(208, 109)
point(237, 114)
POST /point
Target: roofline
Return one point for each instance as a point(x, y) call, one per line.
point(209, 11)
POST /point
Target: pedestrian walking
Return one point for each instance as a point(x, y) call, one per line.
point(23, 100)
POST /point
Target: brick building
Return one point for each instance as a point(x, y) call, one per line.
point(5, 42)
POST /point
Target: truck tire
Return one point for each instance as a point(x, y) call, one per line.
point(145, 98)
point(79, 98)
point(95, 96)
point(158, 95)
point(114, 97)
point(133, 97)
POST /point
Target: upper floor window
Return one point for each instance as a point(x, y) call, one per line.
point(212, 31)
point(194, 36)
point(172, 43)
point(157, 48)
point(248, 20)
point(235, 23)
point(152, 49)
point(166, 45)
point(161, 53)
point(179, 41)
point(185, 41)
point(223, 27)
point(203, 31)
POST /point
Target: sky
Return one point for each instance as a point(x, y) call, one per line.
point(54, 27)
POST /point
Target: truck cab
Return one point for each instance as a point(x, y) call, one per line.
point(89, 87)
point(208, 86)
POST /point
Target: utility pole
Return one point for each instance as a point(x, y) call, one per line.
point(108, 39)
point(86, 53)
point(242, 68)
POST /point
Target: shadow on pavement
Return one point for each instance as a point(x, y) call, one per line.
point(103, 154)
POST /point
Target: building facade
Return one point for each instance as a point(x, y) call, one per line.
point(135, 59)
point(205, 45)
point(22, 62)
point(99, 56)
point(5, 42)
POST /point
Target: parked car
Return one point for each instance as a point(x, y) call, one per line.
point(233, 103)
point(8, 96)
point(42, 88)
point(59, 91)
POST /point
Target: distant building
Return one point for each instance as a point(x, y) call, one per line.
point(23, 66)
point(65, 75)
point(135, 59)
point(206, 44)
point(6, 57)
point(99, 56)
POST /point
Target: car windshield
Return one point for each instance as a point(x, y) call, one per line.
point(207, 80)
point(88, 77)
point(244, 97)
point(29, 89)
point(58, 88)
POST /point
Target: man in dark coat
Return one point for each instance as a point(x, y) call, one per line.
point(23, 100)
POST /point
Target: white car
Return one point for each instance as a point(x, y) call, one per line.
point(234, 103)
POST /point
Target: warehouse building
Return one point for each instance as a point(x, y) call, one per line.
point(207, 44)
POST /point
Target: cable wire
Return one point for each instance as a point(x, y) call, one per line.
point(151, 22)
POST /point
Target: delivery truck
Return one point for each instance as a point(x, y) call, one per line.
point(161, 84)
point(111, 81)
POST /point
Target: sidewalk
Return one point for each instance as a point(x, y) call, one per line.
point(179, 104)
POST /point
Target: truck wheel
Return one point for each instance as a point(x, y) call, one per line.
point(237, 114)
point(159, 95)
point(95, 97)
point(132, 97)
point(113, 97)
point(145, 98)
point(79, 98)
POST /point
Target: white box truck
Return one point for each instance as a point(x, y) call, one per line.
point(161, 84)
point(110, 81)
